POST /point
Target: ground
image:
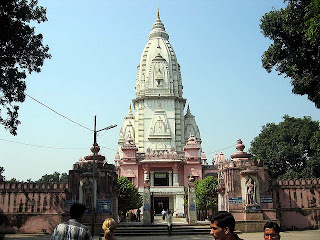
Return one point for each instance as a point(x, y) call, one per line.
point(297, 235)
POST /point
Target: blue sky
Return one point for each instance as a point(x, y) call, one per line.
point(96, 47)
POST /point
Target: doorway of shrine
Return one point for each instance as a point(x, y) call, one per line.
point(161, 203)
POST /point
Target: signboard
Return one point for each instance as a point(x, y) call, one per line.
point(160, 175)
point(235, 200)
point(104, 205)
point(146, 207)
point(266, 200)
point(192, 207)
point(253, 208)
point(70, 202)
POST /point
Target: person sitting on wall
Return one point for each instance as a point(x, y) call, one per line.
point(109, 227)
point(271, 231)
point(73, 229)
point(222, 226)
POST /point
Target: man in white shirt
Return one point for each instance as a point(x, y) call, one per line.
point(73, 229)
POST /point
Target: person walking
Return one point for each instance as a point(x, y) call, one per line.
point(271, 231)
point(138, 214)
point(73, 229)
point(222, 226)
point(169, 222)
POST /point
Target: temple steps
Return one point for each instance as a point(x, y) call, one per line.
point(161, 230)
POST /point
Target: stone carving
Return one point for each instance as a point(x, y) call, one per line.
point(87, 194)
point(251, 195)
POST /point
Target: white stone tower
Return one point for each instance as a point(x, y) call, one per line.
point(159, 122)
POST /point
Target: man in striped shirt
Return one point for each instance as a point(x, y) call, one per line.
point(73, 229)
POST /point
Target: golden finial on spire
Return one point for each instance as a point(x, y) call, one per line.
point(158, 13)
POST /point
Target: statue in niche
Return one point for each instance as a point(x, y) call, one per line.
point(87, 191)
point(159, 127)
point(251, 197)
point(20, 206)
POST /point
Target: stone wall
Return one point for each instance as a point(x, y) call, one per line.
point(33, 207)
point(297, 202)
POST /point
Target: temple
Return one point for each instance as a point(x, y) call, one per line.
point(160, 142)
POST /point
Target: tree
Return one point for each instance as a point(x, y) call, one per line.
point(21, 50)
point(313, 22)
point(295, 51)
point(206, 192)
point(290, 149)
point(128, 197)
point(55, 177)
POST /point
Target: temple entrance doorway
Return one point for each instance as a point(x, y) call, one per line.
point(161, 203)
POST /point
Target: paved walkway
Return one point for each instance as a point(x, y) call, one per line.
point(296, 235)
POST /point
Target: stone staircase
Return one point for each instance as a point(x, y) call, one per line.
point(159, 227)
point(140, 230)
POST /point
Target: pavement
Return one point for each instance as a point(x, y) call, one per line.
point(289, 235)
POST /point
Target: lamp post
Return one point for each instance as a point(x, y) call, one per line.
point(94, 167)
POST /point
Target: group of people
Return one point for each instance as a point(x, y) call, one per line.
point(134, 217)
point(223, 225)
point(74, 229)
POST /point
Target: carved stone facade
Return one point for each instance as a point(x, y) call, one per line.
point(246, 191)
point(39, 207)
point(159, 122)
point(160, 142)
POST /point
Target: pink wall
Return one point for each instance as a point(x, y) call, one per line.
point(297, 203)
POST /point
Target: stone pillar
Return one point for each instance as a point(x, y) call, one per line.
point(151, 178)
point(170, 178)
point(192, 209)
point(175, 175)
point(146, 172)
point(147, 211)
point(221, 202)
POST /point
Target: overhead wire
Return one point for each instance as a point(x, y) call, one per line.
point(42, 146)
point(35, 145)
point(58, 113)
point(221, 149)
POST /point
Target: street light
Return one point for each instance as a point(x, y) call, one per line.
point(94, 166)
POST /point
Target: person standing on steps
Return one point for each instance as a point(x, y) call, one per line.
point(163, 214)
point(169, 222)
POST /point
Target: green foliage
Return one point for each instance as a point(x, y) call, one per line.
point(129, 197)
point(55, 177)
point(290, 149)
point(206, 192)
point(21, 50)
point(13, 180)
point(313, 22)
point(295, 51)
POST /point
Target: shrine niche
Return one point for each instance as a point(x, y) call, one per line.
point(159, 72)
point(96, 191)
point(250, 192)
point(159, 126)
point(243, 187)
point(86, 191)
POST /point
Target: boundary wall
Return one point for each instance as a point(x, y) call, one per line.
point(297, 203)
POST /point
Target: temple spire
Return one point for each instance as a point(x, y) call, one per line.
point(158, 13)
